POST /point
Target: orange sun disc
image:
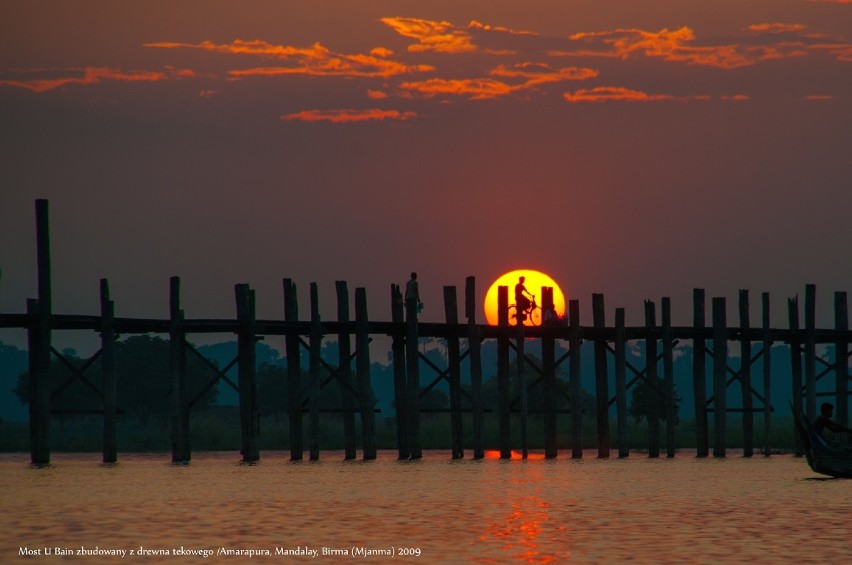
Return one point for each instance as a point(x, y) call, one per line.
point(534, 282)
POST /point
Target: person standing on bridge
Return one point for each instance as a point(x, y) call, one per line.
point(412, 294)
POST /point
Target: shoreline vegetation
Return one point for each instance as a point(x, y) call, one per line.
point(218, 429)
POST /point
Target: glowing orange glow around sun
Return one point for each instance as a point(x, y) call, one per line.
point(535, 280)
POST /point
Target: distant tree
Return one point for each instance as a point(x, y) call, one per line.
point(143, 380)
point(535, 390)
point(272, 390)
point(638, 408)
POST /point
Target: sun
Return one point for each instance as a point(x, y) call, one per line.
point(533, 283)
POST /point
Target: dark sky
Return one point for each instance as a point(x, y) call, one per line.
point(638, 149)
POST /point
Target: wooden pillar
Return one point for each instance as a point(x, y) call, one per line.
point(110, 450)
point(344, 350)
point(767, 377)
point(795, 363)
point(621, 383)
point(412, 366)
point(601, 377)
point(668, 376)
point(720, 368)
point(810, 351)
point(699, 375)
point(454, 372)
point(40, 344)
point(520, 365)
point(574, 370)
point(362, 364)
point(503, 390)
point(475, 354)
point(249, 415)
point(177, 368)
point(399, 384)
point(841, 359)
point(39, 388)
point(316, 372)
point(745, 376)
point(548, 360)
point(294, 371)
point(653, 394)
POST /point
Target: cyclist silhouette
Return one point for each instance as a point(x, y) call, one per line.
point(522, 303)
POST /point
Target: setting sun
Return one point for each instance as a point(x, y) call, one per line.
point(535, 280)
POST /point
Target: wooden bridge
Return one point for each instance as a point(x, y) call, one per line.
point(711, 339)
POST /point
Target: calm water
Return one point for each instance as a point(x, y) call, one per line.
point(637, 510)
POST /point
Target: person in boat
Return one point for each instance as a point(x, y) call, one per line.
point(824, 422)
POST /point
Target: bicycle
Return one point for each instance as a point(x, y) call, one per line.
point(531, 313)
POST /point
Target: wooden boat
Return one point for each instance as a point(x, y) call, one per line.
point(822, 457)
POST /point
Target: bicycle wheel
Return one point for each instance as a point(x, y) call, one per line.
point(513, 315)
point(535, 316)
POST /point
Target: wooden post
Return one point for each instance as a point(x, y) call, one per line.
point(652, 395)
point(601, 377)
point(412, 366)
point(344, 351)
point(795, 363)
point(110, 450)
point(39, 389)
point(548, 360)
point(699, 375)
point(841, 358)
point(362, 364)
point(668, 376)
point(40, 344)
point(621, 383)
point(399, 384)
point(810, 351)
point(767, 378)
point(454, 372)
point(177, 368)
point(294, 371)
point(520, 366)
point(574, 370)
point(249, 415)
point(316, 372)
point(720, 368)
point(473, 344)
point(745, 376)
point(503, 391)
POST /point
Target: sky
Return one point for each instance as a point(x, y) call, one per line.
point(636, 149)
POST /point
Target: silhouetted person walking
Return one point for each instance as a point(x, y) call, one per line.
point(412, 294)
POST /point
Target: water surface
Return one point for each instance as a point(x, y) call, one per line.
point(635, 510)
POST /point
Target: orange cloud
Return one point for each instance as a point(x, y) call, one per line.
point(486, 27)
point(610, 93)
point(348, 116)
point(476, 89)
point(440, 37)
point(674, 45)
point(841, 51)
point(539, 73)
point(376, 94)
point(532, 75)
point(776, 28)
point(93, 75)
point(316, 60)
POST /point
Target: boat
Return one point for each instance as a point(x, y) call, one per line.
point(823, 458)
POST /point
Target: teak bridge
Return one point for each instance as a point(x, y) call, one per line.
point(610, 343)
